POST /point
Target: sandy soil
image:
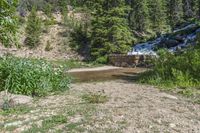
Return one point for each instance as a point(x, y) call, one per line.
point(145, 108)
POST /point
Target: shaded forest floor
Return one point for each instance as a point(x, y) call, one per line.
point(109, 106)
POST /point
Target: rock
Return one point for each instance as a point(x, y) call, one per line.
point(169, 96)
point(30, 53)
point(124, 64)
point(172, 125)
point(197, 31)
point(21, 99)
point(16, 123)
point(69, 8)
point(14, 49)
point(14, 100)
point(179, 38)
point(169, 43)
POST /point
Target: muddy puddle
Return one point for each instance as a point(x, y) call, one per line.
point(105, 75)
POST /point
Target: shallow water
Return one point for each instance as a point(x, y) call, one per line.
point(105, 75)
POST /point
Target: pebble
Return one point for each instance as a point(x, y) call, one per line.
point(172, 125)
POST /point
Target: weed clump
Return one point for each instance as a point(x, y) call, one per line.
point(95, 98)
point(31, 77)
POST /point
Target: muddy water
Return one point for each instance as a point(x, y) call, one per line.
point(104, 75)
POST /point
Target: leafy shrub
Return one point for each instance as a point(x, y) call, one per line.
point(33, 29)
point(31, 77)
point(50, 21)
point(8, 22)
point(21, 20)
point(48, 10)
point(95, 98)
point(180, 70)
point(29, 4)
point(102, 60)
point(80, 39)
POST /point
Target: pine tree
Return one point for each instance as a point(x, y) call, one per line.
point(110, 31)
point(195, 5)
point(139, 19)
point(33, 29)
point(188, 7)
point(175, 12)
point(157, 14)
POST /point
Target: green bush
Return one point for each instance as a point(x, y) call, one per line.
point(48, 10)
point(33, 29)
point(8, 22)
point(102, 60)
point(31, 77)
point(95, 98)
point(175, 70)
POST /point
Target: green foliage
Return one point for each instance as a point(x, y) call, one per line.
point(139, 16)
point(33, 29)
point(95, 98)
point(49, 21)
point(80, 39)
point(31, 77)
point(174, 12)
point(75, 64)
point(47, 124)
point(8, 22)
point(25, 5)
point(102, 59)
point(21, 20)
point(48, 10)
point(181, 70)
point(158, 16)
point(16, 110)
point(110, 31)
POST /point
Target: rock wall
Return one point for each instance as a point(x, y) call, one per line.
point(129, 60)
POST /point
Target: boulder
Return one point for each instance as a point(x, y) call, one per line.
point(171, 43)
point(14, 100)
point(168, 43)
point(179, 38)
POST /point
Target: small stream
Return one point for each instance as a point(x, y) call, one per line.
point(129, 74)
point(182, 37)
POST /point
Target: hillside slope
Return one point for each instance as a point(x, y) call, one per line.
point(54, 42)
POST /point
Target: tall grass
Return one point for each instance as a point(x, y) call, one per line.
point(31, 77)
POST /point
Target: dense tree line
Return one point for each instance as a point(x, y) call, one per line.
point(118, 24)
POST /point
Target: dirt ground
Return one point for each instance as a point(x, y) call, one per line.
point(131, 108)
point(145, 108)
